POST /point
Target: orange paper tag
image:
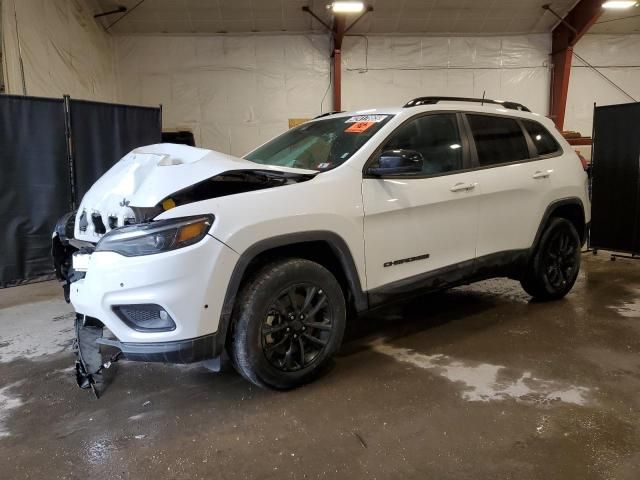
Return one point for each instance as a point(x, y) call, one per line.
point(359, 127)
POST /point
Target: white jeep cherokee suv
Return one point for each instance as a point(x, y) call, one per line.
point(183, 252)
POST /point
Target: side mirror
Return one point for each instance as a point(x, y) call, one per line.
point(398, 162)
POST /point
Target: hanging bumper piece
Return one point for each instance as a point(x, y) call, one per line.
point(89, 364)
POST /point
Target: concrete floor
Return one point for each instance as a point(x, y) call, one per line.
point(472, 383)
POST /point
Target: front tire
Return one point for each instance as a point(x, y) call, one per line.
point(554, 268)
point(288, 323)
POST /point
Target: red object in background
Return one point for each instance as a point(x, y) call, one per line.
point(583, 161)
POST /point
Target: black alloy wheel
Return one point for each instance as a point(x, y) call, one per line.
point(554, 266)
point(297, 327)
point(288, 323)
point(561, 261)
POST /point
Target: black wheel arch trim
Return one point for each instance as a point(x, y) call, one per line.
point(338, 246)
point(548, 213)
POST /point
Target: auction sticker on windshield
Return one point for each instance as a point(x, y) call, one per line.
point(366, 118)
point(359, 127)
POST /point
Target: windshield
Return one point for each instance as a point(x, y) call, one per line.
point(319, 145)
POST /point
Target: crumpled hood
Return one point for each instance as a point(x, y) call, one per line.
point(146, 176)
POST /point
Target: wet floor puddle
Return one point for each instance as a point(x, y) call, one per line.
point(484, 382)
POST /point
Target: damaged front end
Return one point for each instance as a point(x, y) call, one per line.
point(118, 216)
point(89, 364)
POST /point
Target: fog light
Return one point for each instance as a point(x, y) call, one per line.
point(145, 317)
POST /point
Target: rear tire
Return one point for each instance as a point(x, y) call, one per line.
point(288, 322)
point(554, 267)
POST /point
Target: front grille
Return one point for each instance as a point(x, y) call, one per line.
point(82, 223)
point(98, 224)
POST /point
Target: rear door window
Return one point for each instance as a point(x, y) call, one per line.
point(544, 142)
point(498, 139)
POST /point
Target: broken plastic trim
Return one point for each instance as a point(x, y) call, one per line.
point(233, 182)
point(62, 249)
point(143, 215)
point(89, 365)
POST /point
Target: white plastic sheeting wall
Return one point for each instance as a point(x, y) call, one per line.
point(617, 57)
point(392, 70)
point(64, 51)
point(234, 93)
point(237, 92)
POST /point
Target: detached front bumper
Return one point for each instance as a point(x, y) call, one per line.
point(188, 284)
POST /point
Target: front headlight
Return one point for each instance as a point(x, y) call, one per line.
point(155, 237)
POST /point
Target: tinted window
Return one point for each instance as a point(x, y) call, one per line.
point(498, 139)
point(542, 139)
point(436, 137)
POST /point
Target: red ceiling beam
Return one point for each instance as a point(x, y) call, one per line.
point(339, 27)
point(338, 31)
point(571, 29)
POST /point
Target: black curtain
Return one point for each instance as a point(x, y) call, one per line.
point(615, 211)
point(103, 133)
point(34, 184)
point(37, 174)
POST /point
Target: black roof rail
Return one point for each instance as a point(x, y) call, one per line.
point(327, 114)
point(433, 100)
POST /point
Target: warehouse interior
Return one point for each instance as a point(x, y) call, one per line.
point(474, 382)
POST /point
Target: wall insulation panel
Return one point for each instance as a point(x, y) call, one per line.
point(63, 50)
point(236, 92)
point(232, 92)
point(389, 71)
point(615, 56)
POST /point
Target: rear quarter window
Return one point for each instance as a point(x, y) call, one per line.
point(544, 142)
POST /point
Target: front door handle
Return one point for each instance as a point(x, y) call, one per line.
point(540, 174)
point(459, 187)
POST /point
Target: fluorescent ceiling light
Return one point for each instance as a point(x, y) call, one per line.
point(347, 7)
point(619, 4)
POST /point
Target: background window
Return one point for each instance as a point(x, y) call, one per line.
point(498, 139)
point(542, 139)
point(436, 137)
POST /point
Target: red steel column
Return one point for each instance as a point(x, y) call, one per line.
point(565, 36)
point(561, 57)
point(338, 34)
point(337, 80)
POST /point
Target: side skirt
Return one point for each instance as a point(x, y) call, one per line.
point(502, 264)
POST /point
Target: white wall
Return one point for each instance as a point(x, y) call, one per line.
point(398, 69)
point(618, 57)
point(237, 92)
point(63, 49)
point(232, 92)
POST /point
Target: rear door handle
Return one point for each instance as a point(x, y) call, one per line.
point(459, 187)
point(540, 174)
